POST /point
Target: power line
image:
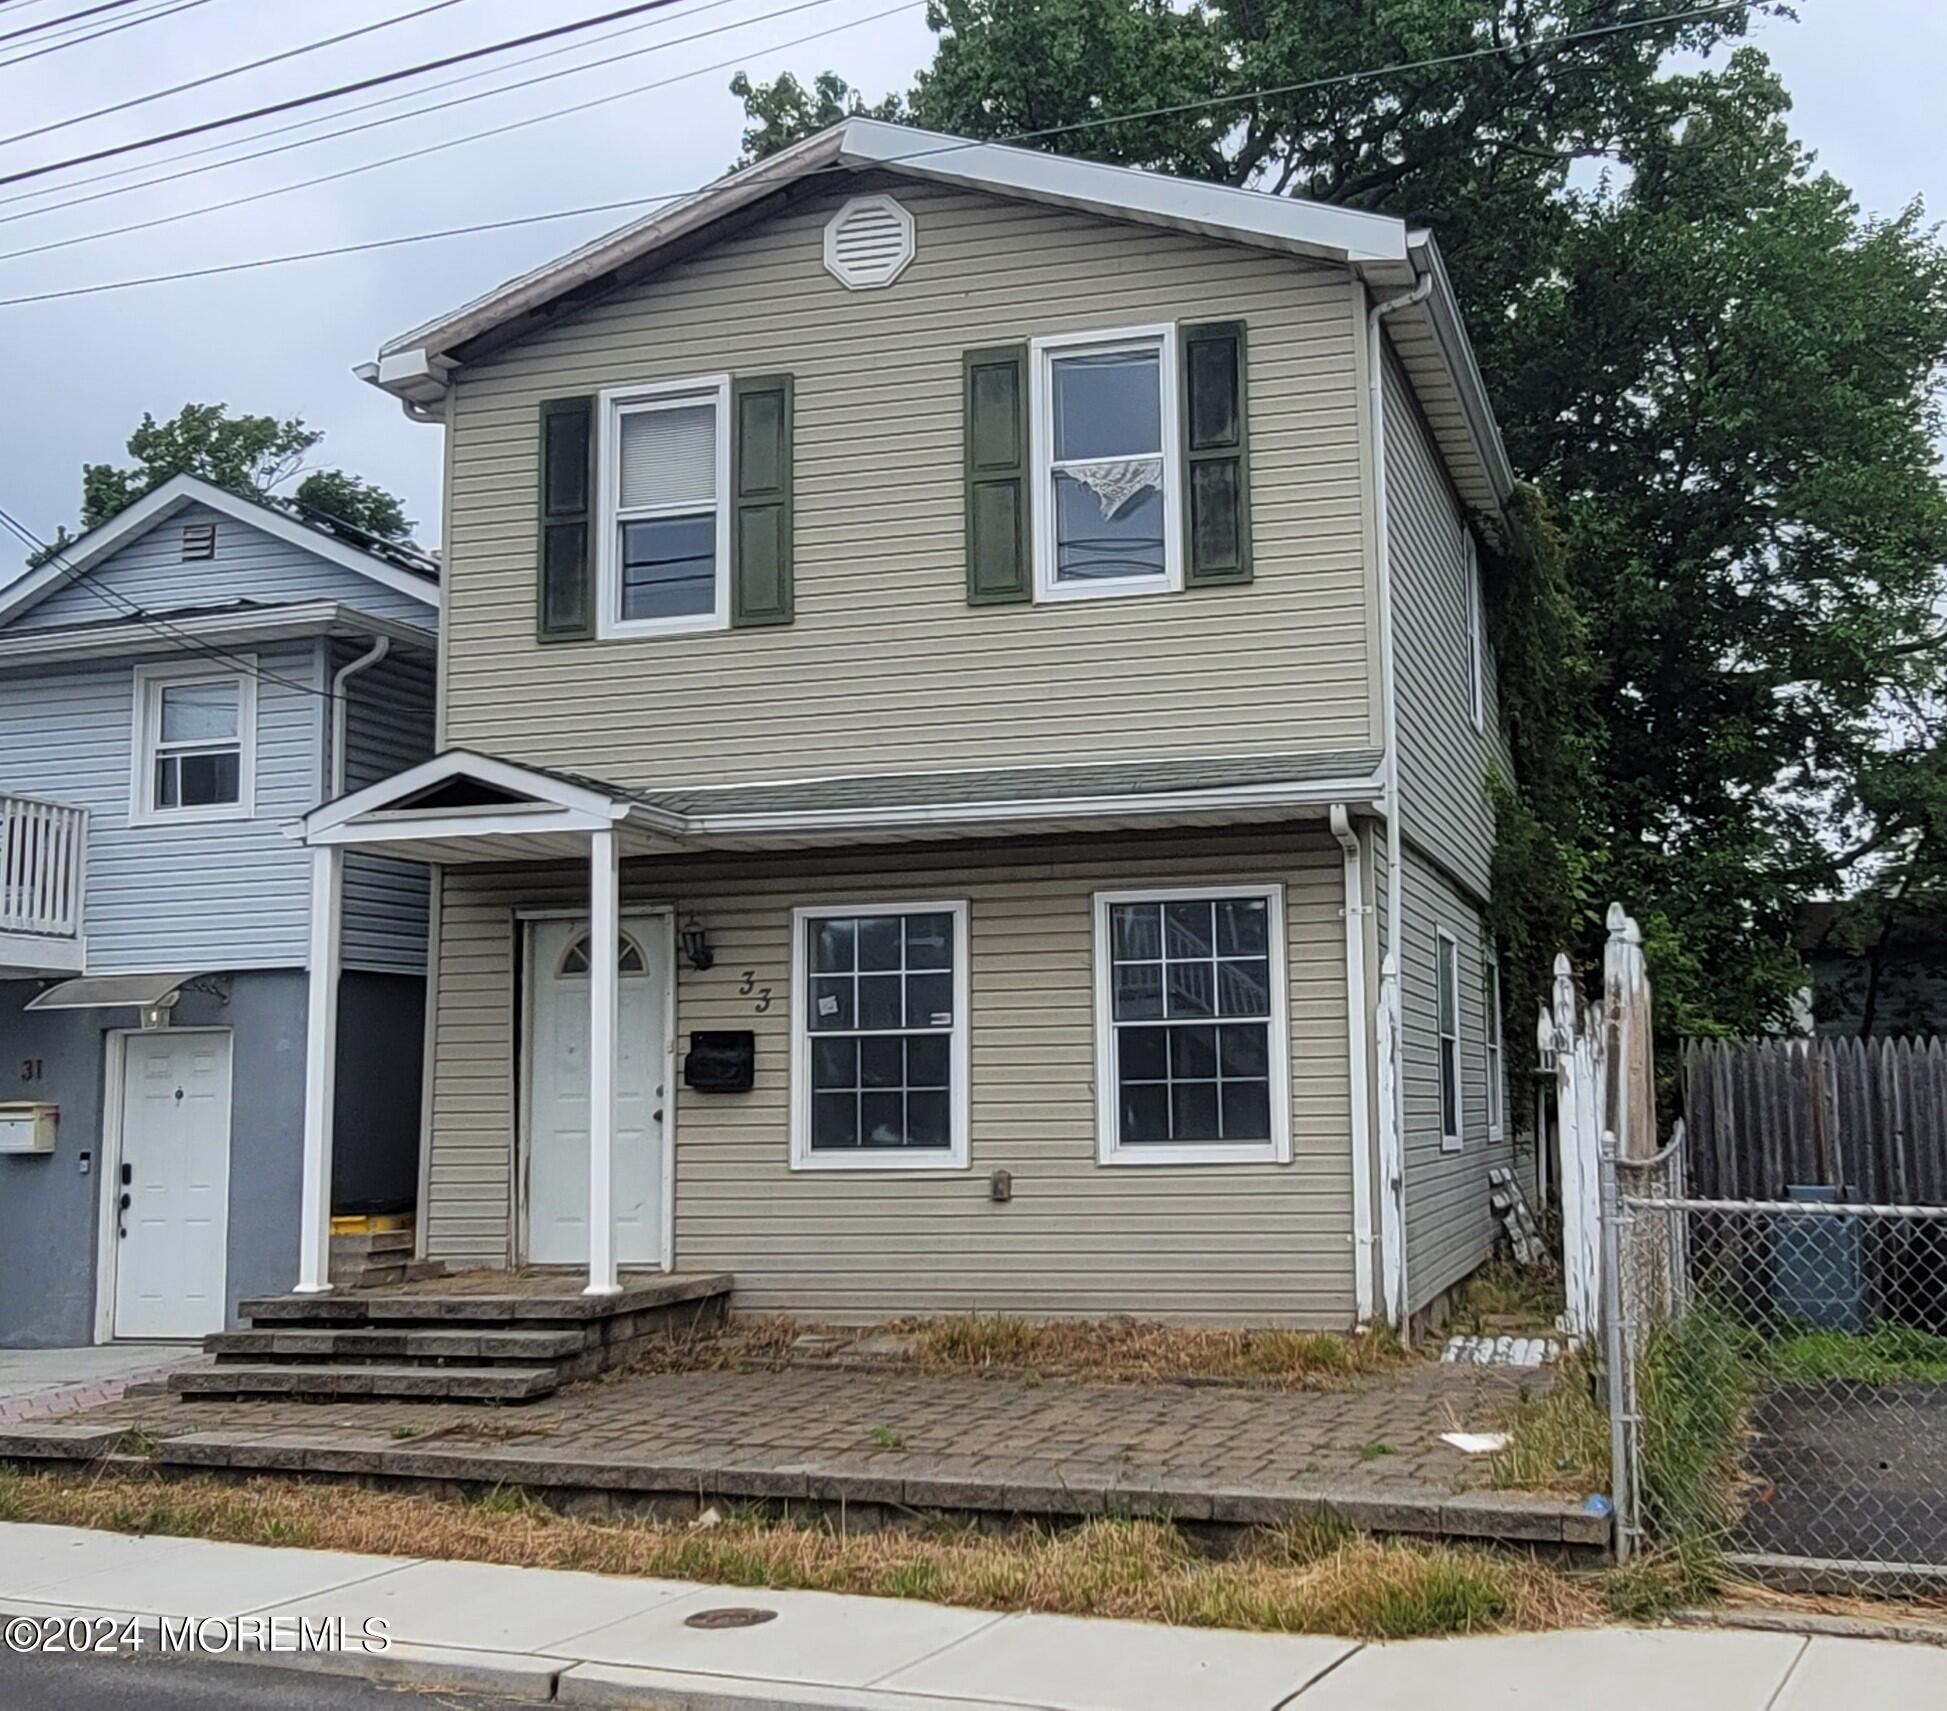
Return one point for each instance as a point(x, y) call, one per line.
point(71, 18)
point(323, 118)
point(916, 154)
point(233, 71)
point(333, 177)
point(311, 100)
point(80, 38)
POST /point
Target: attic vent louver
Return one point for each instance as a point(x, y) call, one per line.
point(199, 540)
point(868, 242)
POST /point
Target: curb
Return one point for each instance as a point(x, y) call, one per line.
point(1815, 1625)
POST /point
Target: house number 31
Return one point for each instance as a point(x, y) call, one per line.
point(750, 988)
point(32, 1069)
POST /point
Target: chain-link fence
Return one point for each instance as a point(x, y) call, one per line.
point(1782, 1401)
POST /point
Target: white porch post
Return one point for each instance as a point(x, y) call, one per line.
point(320, 1069)
point(604, 1025)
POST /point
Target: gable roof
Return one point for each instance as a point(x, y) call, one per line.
point(403, 570)
point(1387, 254)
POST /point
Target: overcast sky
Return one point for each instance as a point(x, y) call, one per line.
point(77, 373)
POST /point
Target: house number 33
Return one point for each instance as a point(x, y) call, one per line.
point(750, 988)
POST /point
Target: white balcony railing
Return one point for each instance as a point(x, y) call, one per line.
point(42, 845)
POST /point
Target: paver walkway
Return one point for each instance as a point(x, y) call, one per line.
point(916, 1439)
point(35, 1383)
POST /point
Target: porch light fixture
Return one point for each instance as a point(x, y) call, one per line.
point(696, 948)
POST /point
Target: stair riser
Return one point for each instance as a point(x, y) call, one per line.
point(405, 1347)
point(351, 1384)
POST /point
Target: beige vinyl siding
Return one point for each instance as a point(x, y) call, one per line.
point(1449, 1223)
point(1216, 1242)
point(887, 667)
point(1443, 758)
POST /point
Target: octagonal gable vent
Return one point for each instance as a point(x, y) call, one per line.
point(868, 242)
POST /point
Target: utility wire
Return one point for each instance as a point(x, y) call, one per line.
point(375, 81)
point(325, 118)
point(440, 147)
point(76, 39)
point(233, 71)
point(79, 576)
point(71, 18)
point(916, 154)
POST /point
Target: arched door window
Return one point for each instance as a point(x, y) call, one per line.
point(628, 958)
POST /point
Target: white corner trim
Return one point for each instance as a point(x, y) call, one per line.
point(1109, 1149)
point(145, 710)
point(611, 402)
point(960, 1104)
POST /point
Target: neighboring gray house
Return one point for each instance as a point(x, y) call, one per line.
point(176, 689)
point(995, 644)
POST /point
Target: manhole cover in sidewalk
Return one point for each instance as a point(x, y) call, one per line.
point(729, 1616)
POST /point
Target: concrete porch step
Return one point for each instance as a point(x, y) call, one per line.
point(469, 1345)
point(343, 1383)
point(497, 1297)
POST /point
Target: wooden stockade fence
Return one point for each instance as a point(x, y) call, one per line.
point(1867, 1117)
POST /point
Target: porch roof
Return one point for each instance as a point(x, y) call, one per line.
point(467, 807)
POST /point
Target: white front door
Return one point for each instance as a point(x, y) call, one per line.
point(173, 1193)
point(557, 1101)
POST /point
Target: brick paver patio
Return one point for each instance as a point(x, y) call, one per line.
point(1372, 1453)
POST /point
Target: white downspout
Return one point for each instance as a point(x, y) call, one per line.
point(1355, 1018)
point(1392, 1140)
point(345, 673)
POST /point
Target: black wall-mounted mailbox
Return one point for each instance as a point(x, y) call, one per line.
point(720, 1061)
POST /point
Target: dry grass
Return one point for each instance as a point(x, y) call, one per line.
point(1299, 1579)
point(1558, 1438)
point(1503, 1296)
point(1097, 1351)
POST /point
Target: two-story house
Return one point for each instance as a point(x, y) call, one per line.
point(177, 687)
point(962, 672)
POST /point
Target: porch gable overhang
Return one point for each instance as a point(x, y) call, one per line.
point(467, 807)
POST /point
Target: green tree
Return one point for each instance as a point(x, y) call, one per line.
point(249, 455)
point(1719, 378)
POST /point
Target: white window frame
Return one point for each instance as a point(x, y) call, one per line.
point(1041, 406)
point(146, 732)
point(1497, 1092)
point(614, 403)
point(1109, 1149)
point(959, 1103)
point(1452, 1140)
point(1476, 637)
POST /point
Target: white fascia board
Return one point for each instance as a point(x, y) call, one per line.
point(540, 789)
point(518, 820)
point(114, 639)
point(179, 491)
point(1442, 311)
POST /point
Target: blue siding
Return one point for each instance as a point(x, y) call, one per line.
point(388, 727)
point(208, 894)
point(249, 565)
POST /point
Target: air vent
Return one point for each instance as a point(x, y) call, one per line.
point(199, 540)
point(868, 242)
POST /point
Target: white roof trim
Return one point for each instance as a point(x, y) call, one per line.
point(113, 638)
point(163, 503)
point(542, 790)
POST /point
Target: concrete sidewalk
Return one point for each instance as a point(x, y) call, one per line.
point(580, 1639)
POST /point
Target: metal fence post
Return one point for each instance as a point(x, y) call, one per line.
point(1618, 1387)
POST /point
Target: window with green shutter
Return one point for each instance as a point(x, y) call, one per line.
point(998, 504)
point(1216, 461)
point(760, 525)
point(564, 551)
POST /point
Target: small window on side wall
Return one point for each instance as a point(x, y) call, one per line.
point(1191, 1026)
point(1447, 998)
point(1497, 1092)
point(194, 743)
point(879, 1037)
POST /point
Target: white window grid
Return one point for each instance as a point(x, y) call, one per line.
point(804, 1156)
point(1110, 1148)
point(616, 403)
point(147, 745)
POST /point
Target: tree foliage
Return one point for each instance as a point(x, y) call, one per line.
point(249, 455)
point(1717, 611)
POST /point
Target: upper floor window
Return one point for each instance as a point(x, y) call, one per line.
point(194, 742)
point(1108, 489)
point(664, 547)
point(1476, 636)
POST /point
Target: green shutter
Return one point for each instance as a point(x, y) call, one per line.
point(997, 475)
point(760, 487)
point(565, 551)
point(1216, 455)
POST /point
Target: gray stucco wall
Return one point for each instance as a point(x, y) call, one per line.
point(48, 1209)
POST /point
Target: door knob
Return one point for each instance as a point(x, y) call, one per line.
point(125, 1202)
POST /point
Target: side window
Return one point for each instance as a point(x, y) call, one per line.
point(664, 542)
point(194, 744)
point(1447, 981)
point(1497, 1092)
point(1476, 635)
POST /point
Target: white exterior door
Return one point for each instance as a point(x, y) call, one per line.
point(173, 1194)
point(557, 1082)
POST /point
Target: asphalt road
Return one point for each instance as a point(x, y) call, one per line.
point(194, 1684)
